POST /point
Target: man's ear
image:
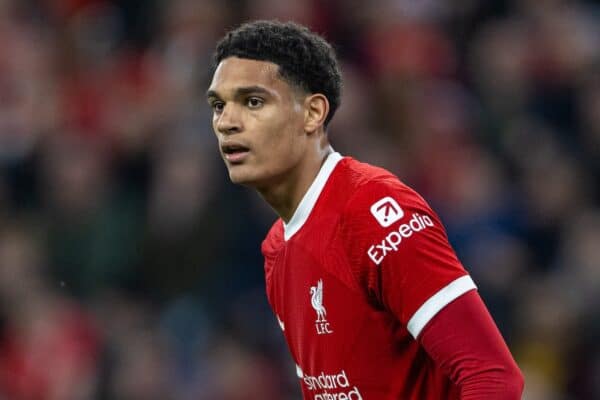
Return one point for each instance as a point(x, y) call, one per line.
point(316, 110)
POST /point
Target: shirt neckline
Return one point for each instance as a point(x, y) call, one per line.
point(310, 197)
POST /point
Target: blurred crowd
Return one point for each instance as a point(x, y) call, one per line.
point(130, 267)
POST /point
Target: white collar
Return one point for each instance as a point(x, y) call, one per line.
point(310, 197)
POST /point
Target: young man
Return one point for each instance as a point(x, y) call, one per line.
point(370, 296)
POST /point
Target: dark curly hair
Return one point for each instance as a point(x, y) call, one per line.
point(304, 58)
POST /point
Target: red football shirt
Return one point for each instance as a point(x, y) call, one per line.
point(360, 269)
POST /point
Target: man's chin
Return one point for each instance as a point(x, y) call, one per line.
point(240, 178)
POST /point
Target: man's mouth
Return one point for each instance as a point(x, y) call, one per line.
point(234, 153)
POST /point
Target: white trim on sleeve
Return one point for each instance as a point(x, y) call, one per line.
point(437, 302)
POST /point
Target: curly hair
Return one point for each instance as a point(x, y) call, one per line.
point(305, 59)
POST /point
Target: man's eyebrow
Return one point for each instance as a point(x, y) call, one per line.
point(252, 89)
point(241, 91)
point(210, 94)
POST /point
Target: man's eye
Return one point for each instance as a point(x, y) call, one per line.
point(254, 102)
point(217, 106)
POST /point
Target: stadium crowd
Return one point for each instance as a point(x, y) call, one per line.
point(130, 267)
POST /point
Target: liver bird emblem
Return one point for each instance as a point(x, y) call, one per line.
point(316, 300)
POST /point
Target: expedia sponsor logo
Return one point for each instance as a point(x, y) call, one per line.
point(331, 387)
point(391, 243)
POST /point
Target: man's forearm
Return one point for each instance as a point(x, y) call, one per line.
point(465, 342)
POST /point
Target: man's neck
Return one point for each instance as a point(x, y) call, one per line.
point(285, 196)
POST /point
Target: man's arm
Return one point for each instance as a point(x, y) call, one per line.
point(465, 342)
point(410, 269)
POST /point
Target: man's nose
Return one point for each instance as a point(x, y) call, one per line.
point(229, 121)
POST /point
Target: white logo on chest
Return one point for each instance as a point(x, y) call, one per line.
point(316, 300)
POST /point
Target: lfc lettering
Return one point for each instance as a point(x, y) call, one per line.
point(323, 328)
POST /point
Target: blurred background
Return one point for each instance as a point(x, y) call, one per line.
point(130, 267)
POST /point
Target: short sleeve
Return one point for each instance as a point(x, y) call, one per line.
point(399, 252)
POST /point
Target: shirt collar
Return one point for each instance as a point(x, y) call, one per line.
point(311, 196)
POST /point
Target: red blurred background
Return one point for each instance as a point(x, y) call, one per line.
point(130, 267)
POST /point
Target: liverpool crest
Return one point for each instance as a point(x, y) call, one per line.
point(316, 300)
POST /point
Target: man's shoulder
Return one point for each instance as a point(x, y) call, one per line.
point(357, 173)
point(352, 177)
point(365, 183)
